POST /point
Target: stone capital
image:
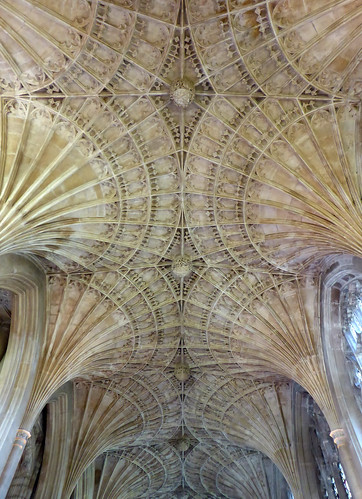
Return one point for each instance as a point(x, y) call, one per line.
point(22, 436)
point(339, 437)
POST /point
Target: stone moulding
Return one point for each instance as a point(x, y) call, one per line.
point(27, 283)
point(349, 434)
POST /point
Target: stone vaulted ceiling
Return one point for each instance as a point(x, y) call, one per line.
point(181, 170)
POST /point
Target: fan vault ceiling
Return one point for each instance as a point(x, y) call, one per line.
point(181, 170)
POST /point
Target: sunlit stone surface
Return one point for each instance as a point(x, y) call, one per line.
point(182, 93)
point(178, 175)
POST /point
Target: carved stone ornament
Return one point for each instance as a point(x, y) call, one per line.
point(182, 372)
point(183, 444)
point(181, 266)
point(182, 93)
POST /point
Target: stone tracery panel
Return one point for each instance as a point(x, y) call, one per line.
point(97, 417)
point(83, 195)
point(175, 180)
point(79, 47)
point(133, 472)
point(277, 184)
point(245, 414)
point(282, 48)
point(321, 40)
point(256, 323)
point(317, 199)
point(227, 471)
point(104, 326)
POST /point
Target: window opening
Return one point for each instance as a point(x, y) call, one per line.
point(351, 303)
point(332, 479)
point(6, 300)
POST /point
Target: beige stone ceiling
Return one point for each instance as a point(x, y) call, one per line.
point(181, 170)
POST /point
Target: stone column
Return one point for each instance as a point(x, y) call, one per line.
point(26, 282)
point(350, 462)
point(22, 436)
point(303, 444)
